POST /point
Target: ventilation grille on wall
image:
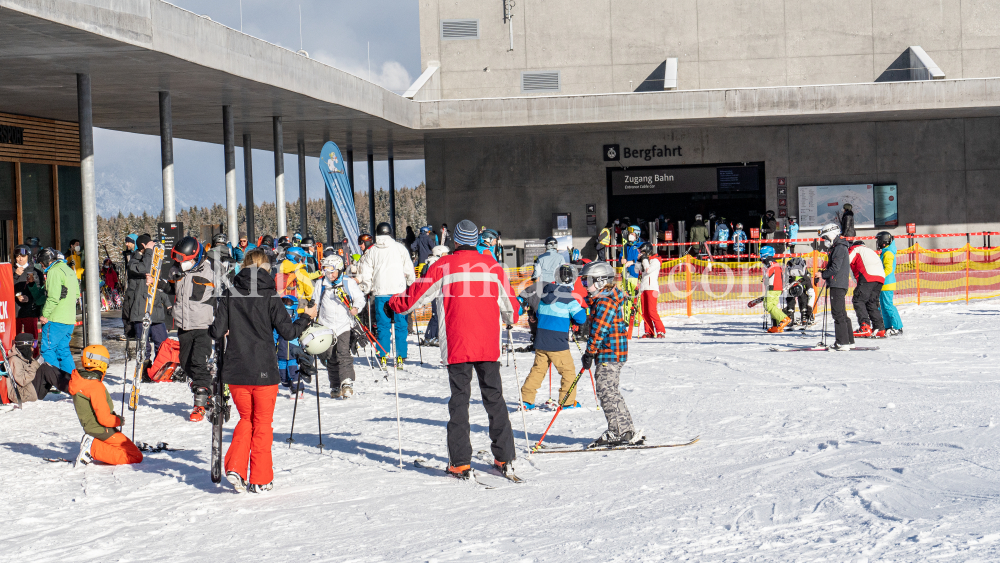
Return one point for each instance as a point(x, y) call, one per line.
point(459, 29)
point(545, 81)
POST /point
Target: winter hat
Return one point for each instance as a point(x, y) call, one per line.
point(466, 233)
point(143, 240)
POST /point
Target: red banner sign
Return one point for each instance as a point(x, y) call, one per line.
point(6, 306)
point(754, 232)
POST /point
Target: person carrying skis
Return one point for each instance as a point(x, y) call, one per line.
point(138, 281)
point(102, 440)
point(339, 301)
point(194, 311)
point(630, 270)
point(773, 288)
point(555, 306)
point(869, 271)
point(739, 241)
point(476, 297)
point(838, 279)
point(58, 318)
point(547, 264)
point(890, 315)
point(246, 316)
point(604, 242)
point(294, 278)
point(649, 291)
point(607, 344)
point(386, 270)
point(800, 290)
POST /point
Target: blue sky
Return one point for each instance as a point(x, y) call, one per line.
point(337, 32)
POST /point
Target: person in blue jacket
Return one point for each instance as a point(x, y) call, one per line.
point(488, 243)
point(555, 307)
point(793, 232)
point(890, 315)
point(289, 352)
point(739, 240)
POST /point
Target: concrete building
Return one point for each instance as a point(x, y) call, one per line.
point(810, 93)
point(531, 110)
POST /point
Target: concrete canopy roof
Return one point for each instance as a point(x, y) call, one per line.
point(135, 48)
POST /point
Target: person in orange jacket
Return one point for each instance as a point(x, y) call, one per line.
point(102, 441)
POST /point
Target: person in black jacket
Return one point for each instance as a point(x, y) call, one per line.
point(247, 314)
point(29, 292)
point(424, 244)
point(847, 221)
point(838, 278)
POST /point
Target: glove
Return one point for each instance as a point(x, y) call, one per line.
point(302, 358)
point(509, 326)
point(307, 370)
point(587, 360)
point(388, 311)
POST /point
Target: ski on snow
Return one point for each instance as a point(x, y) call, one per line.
point(424, 464)
point(823, 349)
point(545, 450)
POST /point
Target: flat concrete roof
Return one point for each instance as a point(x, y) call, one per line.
point(135, 48)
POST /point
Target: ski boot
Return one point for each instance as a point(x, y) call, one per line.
point(528, 406)
point(382, 363)
point(238, 483)
point(879, 334)
point(505, 468)
point(346, 389)
point(894, 332)
point(84, 457)
point(609, 440)
point(399, 363)
point(260, 488)
point(460, 471)
point(575, 405)
point(864, 332)
point(838, 347)
point(201, 395)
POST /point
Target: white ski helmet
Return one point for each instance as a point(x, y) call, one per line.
point(829, 232)
point(439, 251)
point(316, 339)
point(596, 276)
point(333, 261)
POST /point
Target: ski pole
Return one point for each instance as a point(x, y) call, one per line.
point(125, 374)
point(13, 382)
point(520, 403)
point(295, 409)
point(592, 384)
point(538, 445)
point(825, 314)
point(395, 384)
point(550, 381)
point(319, 418)
point(420, 348)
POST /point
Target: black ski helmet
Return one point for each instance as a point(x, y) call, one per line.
point(22, 250)
point(383, 229)
point(46, 257)
point(307, 241)
point(267, 240)
point(566, 274)
point(25, 344)
point(646, 249)
point(883, 239)
point(551, 243)
point(188, 249)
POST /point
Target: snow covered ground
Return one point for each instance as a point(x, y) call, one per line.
point(888, 455)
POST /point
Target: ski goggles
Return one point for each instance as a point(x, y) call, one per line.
point(22, 252)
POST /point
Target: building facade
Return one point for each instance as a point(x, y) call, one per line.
point(514, 179)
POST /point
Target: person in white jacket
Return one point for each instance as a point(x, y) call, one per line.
point(340, 300)
point(649, 290)
point(385, 270)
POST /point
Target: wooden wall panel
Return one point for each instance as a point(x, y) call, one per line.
point(46, 141)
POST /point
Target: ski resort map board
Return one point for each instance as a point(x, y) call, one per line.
point(819, 205)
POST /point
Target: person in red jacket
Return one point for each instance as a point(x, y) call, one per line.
point(96, 412)
point(476, 297)
point(870, 275)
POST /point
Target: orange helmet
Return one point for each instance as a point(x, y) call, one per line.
point(95, 357)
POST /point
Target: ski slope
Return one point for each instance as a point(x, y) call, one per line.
point(829, 456)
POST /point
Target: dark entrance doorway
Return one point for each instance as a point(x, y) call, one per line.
point(734, 191)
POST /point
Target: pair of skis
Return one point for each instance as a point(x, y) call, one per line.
point(142, 354)
point(218, 411)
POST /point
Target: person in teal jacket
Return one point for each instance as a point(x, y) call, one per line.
point(59, 312)
point(890, 315)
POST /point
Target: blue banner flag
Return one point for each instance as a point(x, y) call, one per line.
point(334, 171)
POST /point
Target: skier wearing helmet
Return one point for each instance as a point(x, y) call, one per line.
point(547, 264)
point(774, 278)
point(649, 291)
point(194, 311)
point(739, 241)
point(838, 278)
point(890, 315)
point(607, 345)
point(102, 441)
point(339, 299)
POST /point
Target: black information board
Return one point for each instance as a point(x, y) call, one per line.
point(738, 179)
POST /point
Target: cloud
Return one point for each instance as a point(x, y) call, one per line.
point(391, 76)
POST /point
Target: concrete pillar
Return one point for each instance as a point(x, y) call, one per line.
point(228, 134)
point(167, 158)
point(303, 208)
point(279, 176)
point(248, 186)
point(91, 260)
point(350, 171)
point(371, 193)
point(392, 194)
